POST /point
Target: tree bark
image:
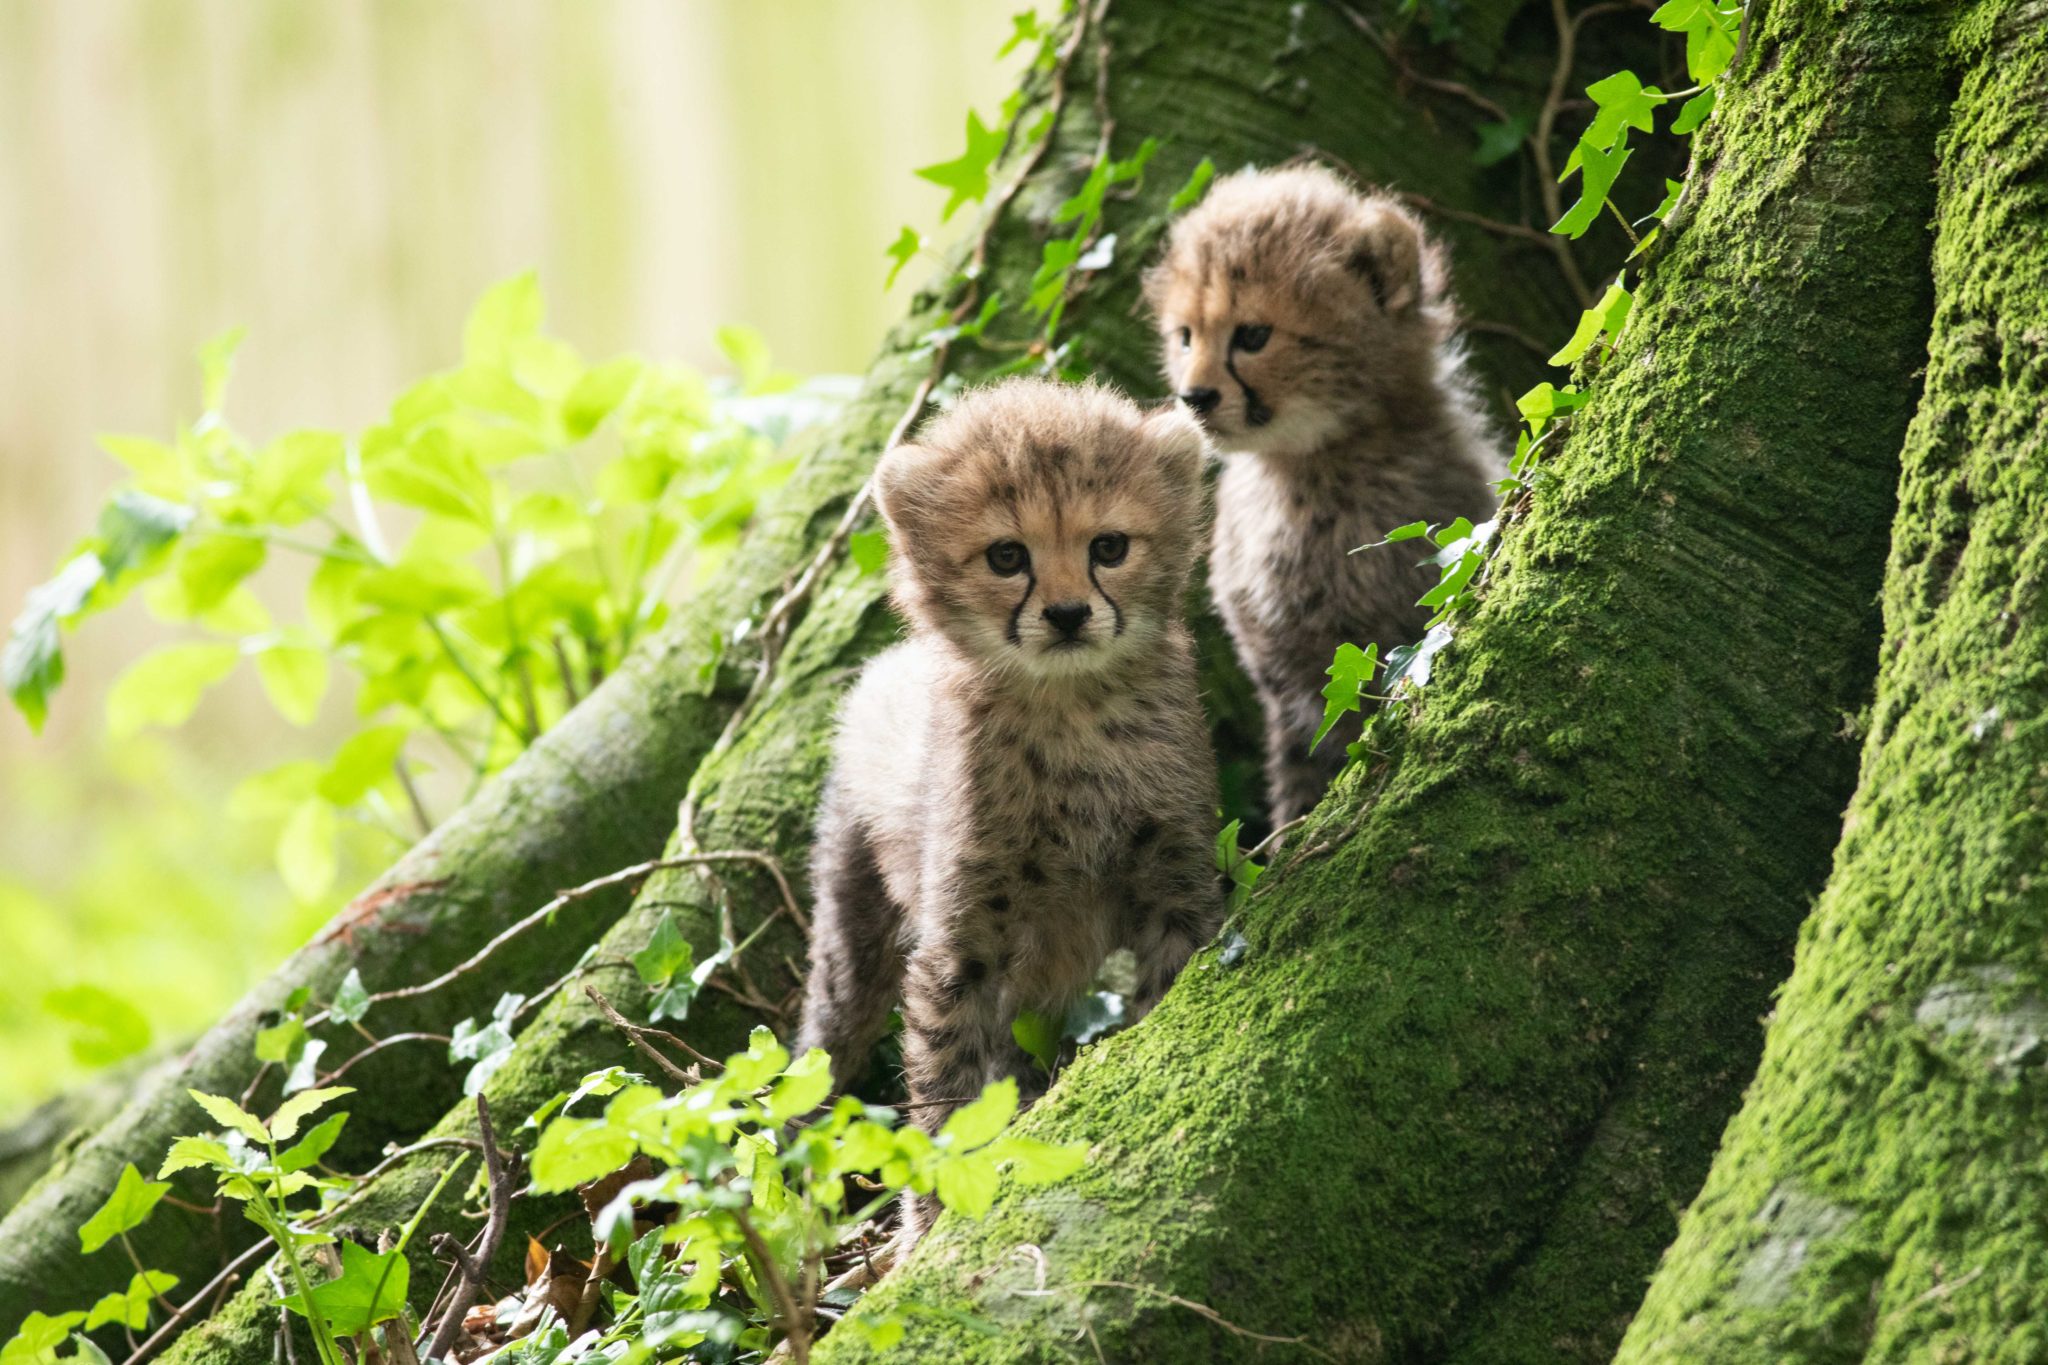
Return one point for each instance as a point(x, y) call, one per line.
point(1288, 80)
point(1880, 1195)
point(1487, 1024)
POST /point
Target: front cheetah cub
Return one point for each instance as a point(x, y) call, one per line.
point(1309, 328)
point(1024, 784)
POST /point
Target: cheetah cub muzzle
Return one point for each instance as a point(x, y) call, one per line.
point(1309, 328)
point(1024, 784)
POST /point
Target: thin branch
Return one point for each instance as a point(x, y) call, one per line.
point(763, 1260)
point(638, 1036)
point(1512, 333)
point(1392, 52)
point(1202, 1310)
point(228, 1275)
point(499, 1176)
point(378, 1046)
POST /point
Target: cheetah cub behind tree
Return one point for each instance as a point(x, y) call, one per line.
point(1024, 784)
point(1309, 327)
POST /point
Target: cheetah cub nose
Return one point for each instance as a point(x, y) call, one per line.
point(1068, 617)
point(1201, 402)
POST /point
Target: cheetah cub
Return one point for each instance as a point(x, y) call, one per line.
point(1309, 328)
point(1024, 784)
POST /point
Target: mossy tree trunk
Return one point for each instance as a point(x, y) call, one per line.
point(1881, 1195)
point(1288, 79)
point(1490, 1021)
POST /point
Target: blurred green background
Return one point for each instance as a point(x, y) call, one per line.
point(344, 178)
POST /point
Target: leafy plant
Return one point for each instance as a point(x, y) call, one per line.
point(473, 564)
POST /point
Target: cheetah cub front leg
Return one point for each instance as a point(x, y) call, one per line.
point(1025, 783)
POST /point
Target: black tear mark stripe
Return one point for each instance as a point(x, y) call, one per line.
point(1017, 612)
point(1256, 414)
point(1115, 610)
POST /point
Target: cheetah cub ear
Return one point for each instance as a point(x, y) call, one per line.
point(908, 484)
point(1386, 251)
point(1182, 444)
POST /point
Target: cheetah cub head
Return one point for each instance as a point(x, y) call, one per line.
point(1293, 309)
point(1046, 530)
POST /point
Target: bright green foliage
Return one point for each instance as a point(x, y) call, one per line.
point(750, 1192)
point(1601, 323)
point(1350, 672)
point(370, 1289)
point(130, 1307)
point(966, 177)
point(126, 1208)
point(1880, 1195)
point(481, 559)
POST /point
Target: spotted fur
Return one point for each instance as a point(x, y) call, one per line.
point(1012, 799)
point(1310, 328)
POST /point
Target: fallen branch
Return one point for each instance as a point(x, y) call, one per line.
point(499, 1180)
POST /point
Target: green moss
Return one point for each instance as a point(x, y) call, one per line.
point(1879, 1196)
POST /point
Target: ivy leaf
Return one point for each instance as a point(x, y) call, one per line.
point(127, 1208)
point(37, 1340)
point(1709, 34)
point(1605, 317)
point(596, 393)
point(1036, 1162)
point(1673, 190)
point(284, 1124)
point(1025, 27)
point(1598, 170)
point(667, 952)
point(32, 664)
point(1499, 141)
point(129, 1308)
point(370, 1289)
point(1407, 532)
point(1695, 111)
point(1190, 194)
point(210, 567)
point(966, 176)
point(1349, 671)
point(509, 313)
point(1412, 663)
point(574, 1152)
point(351, 1001)
point(901, 251)
point(1623, 103)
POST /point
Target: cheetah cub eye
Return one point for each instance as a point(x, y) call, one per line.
point(1008, 559)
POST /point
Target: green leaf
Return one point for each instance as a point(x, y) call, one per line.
point(509, 312)
point(869, 549)
point(574, 1152)
point(981, 1119)
point(203, 1153)
point(284, 1124)
point(1025, 27)
point(104, 1027)
point(1408, 532)
point(305, 849)
point(32, 664)
point(230, 1115)
point(130, 1308)
point(152, 462)
point(351, 1001)
point(127, 1208)
point(1695, 111)
point(966, 177)
point(803, 1087)
point(313, 1145)
point(435, 474)
point(1673, 189)
point(1036, 1162)
point(1038, 1034)
point(295, 679)
point(667, 952)
point(967, 1184)
point(38, 1338)
point(1350, 671)
point(370, 1289)
point(1605, 317)
point(901, 252)
point(217, 363)
point(364, 761)
point(1190, 194)
point(1598, 169)
point(1623, 103)
point(133, 526)
point(596, 393)
point(164, 688)
point(210, 567)
point(1499, 141)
